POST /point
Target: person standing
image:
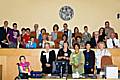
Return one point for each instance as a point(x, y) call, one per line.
point(86, 36)
point(12, 36)
point(100, 52)
point(89, 59)
point(54, 33)
point(77, 60)
point(102, 35)
point(95, 39)
point(3, 34)
point(47, 58)
point(22, 43)
point(68, 32)
point(108, 29)
point(64, 55)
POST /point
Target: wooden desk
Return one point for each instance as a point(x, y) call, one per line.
point(9, 58)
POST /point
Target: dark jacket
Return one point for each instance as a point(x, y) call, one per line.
point(101, 38)
point(61, 53)
point(52, 57)
point(3, 33)
point(89, 60)
point(93, 43)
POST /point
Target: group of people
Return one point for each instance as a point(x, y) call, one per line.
point(87, 61)
point(82, 62)
point(27, 38)
point(79, 61)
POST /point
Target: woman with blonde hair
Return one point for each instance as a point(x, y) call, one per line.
point(100, 52)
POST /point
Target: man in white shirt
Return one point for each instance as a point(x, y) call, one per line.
point(100, 52)
point(112, 42)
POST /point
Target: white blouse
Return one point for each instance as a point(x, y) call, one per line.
point(98, 55)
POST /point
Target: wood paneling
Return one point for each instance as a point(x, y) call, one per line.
point(0, 72)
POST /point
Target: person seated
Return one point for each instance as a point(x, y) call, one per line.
point(22, 44)
point(68, 33)
point(12, 36)
point(116, 35)
point(24, 67)
point(95, 39)
point(64, 55)
point(89, 59)
point(31, 43)
point(77, 60)
point(51, 42)
point(47, 58)
point(86, 36)
point(44, 40)
point(100, 52)
point(102, 35)
point(113, 42)
point(64, 39)
point(76, 35)
point(26, 37)
point(42, 32)
point(78, 40)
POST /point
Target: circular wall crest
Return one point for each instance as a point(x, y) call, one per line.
point(66, 13)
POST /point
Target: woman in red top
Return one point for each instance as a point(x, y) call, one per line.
point(26, 37)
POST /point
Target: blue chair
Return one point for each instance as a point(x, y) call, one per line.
point(36, 74)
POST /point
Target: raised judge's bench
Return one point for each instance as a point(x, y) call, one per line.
point(9, 58)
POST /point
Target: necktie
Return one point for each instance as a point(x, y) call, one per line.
point(5, 30)
point(35, 34)
point(113, 42)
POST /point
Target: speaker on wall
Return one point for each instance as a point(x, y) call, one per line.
point(118, 15)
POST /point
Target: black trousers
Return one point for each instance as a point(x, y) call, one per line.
point(24, 75)
point(98, 70)
point(47, 70)
point(4, 45)
point(88, 71)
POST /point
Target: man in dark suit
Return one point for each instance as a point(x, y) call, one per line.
point(95, 39)
point(47, 58)
point(3, 34)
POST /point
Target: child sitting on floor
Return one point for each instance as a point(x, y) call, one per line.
point(24, 67)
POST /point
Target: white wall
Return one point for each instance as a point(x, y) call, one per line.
point(46, 13)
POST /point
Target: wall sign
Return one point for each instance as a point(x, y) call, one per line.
point(66, 13)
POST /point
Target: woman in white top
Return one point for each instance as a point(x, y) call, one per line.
point(100, 52)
